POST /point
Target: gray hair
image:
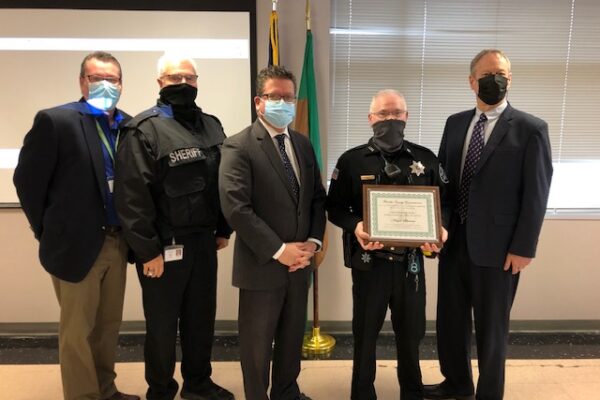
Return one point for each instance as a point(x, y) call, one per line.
point(485, 52)
point(384, 92)
point(173, 59)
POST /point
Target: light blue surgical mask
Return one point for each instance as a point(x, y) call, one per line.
point(279, 113)
point(103, 95)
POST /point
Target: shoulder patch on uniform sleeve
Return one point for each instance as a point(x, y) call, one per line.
point(334, 174)
point(443, 176)
point(144, 115)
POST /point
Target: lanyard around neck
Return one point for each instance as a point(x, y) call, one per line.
point(106, 143)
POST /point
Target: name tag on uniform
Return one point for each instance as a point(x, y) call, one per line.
point(367, 177)
point(173, 252)
point(184, 156)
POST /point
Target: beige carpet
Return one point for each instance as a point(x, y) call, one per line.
point(330, 380)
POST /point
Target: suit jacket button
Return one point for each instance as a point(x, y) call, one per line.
point(391, 258)
point(392, 248)
point(103, 228)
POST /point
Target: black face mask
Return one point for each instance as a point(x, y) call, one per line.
point(388, 135)
point(179, 95)
point(492, 89)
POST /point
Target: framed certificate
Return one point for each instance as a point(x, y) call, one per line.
point(405, 216)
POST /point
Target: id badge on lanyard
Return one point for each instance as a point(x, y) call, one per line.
point(110, 180)
point(174, 252)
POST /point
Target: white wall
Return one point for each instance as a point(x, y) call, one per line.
point(561, 284)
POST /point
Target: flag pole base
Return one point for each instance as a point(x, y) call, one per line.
point(317, 345)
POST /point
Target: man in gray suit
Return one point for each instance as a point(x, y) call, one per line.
point(272, 196)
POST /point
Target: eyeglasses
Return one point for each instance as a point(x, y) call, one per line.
point(178, 78)
point(383, 114)
point(99, 78)
point(278, 97)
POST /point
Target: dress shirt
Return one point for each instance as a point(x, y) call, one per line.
point(492, 117)
point(289, 149)
point(111, 131)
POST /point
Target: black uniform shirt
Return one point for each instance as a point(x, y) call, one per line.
point(365, 165)
point(168, 183)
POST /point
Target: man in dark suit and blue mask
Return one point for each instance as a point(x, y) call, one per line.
point(391, 277)
point(500, 167)
point(64, 180)
point(272, 196)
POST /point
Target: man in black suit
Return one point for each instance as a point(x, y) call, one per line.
point(499, 165)
point(64, 180)
point(272, 196)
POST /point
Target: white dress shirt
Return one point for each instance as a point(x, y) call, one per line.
point(289, 149)
point(492, 117)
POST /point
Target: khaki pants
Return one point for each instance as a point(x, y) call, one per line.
point(90, 318)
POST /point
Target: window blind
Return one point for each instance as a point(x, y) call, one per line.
point(424, 48)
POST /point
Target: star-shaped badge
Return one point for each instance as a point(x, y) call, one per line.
point(366, 258)
point(417, 168)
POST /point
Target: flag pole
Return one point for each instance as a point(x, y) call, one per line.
point(308, 15)
point(316, 344)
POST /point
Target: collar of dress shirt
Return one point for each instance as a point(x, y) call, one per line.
point(494, 112)
point(89, 109)
point(272, 131)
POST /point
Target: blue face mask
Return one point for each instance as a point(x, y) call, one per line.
point(103, 95)
point(279, 113)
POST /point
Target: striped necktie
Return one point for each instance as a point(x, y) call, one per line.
point(287, 165)
point(472, 158)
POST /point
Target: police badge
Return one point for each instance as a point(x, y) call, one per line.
point(417, 168)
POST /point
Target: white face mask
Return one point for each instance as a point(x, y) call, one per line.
point(103, 95)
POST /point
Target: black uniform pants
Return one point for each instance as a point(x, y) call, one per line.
point(387, 284)
point(489, 292)
point(183, 297)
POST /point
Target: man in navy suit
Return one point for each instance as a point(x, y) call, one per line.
point(64, 180)
point(499, 165)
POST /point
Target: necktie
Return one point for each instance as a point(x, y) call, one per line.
point(287, 165)
point(472, 158)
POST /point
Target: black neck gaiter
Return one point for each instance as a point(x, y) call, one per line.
point(388, 135)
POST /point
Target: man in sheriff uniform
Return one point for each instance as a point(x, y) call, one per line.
point(390, 277)
point(167, 199)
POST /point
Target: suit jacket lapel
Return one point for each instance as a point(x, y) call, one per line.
point(500, 130)
point(90, 133)
point(267, 145)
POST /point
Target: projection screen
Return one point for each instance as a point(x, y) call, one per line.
point(41, 52)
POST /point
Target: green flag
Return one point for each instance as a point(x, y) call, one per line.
point(307, 111)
